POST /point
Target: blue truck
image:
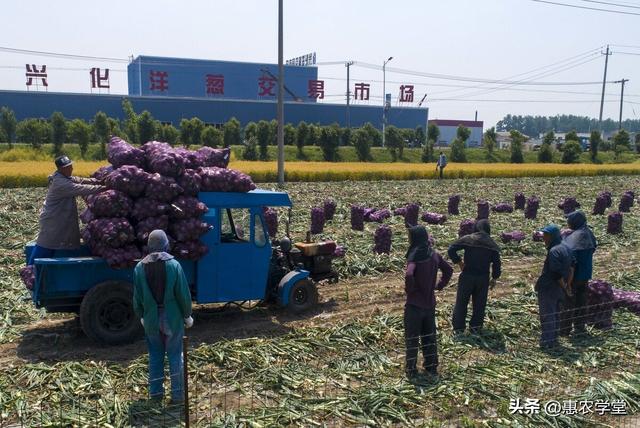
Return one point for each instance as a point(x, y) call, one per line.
point(242, 264)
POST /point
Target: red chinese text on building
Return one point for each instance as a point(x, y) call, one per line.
point(98, 79)
point(159, 80)
point(315, 89)
point(362, 91)
point(266, 86)
point(214, 84)
point(406, 93)
point(34, 73)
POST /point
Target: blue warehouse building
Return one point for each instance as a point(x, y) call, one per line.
point(215, 91)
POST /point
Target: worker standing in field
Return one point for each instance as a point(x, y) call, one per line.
point(423, 263)
point(59, 229)
point(162, 301)
point(480, 253)
point(583, 244)
point(442, 163)
point(552, 285)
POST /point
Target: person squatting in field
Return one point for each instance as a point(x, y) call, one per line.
point(480, 254)
point(583, 244)
point(59, 228)
point(162, 301)
point(423, 263)
point(553, 285)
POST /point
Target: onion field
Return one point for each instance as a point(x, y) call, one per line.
point(343, 363)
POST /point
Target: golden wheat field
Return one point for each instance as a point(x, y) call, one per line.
point(34, 173)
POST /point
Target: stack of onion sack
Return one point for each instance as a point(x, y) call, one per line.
point(155, 187)
point(467, 226)
point(531, 210)
point(569, 205)
point(626, 201)
point(599, 304)
point(453, 205)
point(502, 207)
point(519, 200)
point(614, 223)
point(483, 210)
point(601, 205)
point(514, 236)
point(382, 240)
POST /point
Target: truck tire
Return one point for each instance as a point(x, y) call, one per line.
point(106, 314)
point(302, 296)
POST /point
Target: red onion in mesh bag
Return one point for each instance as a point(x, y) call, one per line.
point(614, 223)
point(191, 158)
point(412, 214)
point(271, 219)
point(329, 207)
point(608, 197)
point(400, 211)
point(502, 208)
point(224, 180)
point(382, 240)
point(467, 226)
point(110, 203)
point(453, 206)
point(190, 250)
point(600, 304)
point(514, 236)
point(188, 229)
point(434, 218)
point(28, 276)
point(483, 210)
point(148, 225)
point(86, 216)
point(152, 147)
point(167, 163)
point(380, 215)
point(187, 206)
point(368, 212)
point(121, 153)
point(114, 232)
point(119, 258)
point(317, 220)
point(531, 210)
point(209, 157)
point(128, 179)
point(340, 251)
point(357, 217)
point(162, 188)
point(626, 202)
point(600, 206)
point(102, 172)
point(537, 236)
point(519, 201)
point(629, 300)
point(569, 205)
point(148, 207)
point(190, 182)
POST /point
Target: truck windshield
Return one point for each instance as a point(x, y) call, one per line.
point(235, 225)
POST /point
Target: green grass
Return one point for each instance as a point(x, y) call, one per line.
point(24, 152)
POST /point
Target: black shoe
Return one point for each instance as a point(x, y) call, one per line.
point(412, 375)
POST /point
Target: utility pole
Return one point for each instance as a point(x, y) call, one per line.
point(604, 83)
point(348, 64)
point(623, 81)
point(280, 100)
point(384, 97)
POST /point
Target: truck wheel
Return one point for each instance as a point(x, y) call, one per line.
point(302, 296)
point(106, 314)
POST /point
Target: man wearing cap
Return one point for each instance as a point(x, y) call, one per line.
point(162, 301)
point(583, 244)
point(59, 229)
point(552, 285)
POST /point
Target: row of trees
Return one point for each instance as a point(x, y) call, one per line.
point(536, 125)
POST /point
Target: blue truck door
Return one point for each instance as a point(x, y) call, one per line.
point(236, 257)
point(206, 285)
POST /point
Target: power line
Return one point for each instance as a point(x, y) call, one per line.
point(586, 7)
point(60, 55)
point(628, 53)
point(611, 4)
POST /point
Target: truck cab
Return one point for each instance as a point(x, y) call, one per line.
point(239, 266)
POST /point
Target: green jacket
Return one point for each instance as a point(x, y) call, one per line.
point(177, 298)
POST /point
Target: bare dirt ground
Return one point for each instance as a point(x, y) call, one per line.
point(52, 340)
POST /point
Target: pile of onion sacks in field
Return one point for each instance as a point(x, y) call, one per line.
point(155, 187)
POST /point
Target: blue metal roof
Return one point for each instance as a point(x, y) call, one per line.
point(255, 198)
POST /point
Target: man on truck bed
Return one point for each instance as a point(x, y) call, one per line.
point(162, 301)
point(59, 229)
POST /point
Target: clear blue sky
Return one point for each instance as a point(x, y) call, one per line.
point(488, 39)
